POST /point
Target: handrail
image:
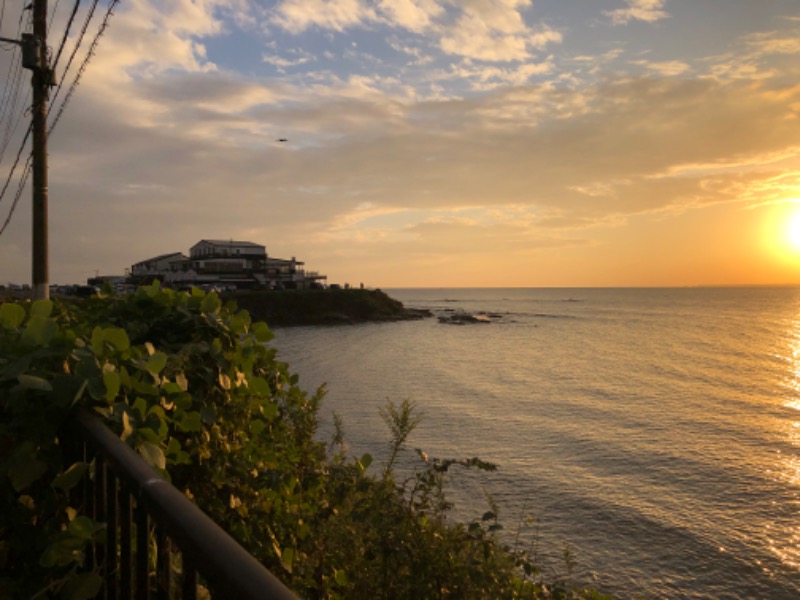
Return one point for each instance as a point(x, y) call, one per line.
point(224, 564)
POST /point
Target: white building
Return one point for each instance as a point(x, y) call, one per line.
point(226, 263)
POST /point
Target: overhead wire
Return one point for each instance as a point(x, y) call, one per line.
point(52, 16)
point(10, 94)
point(73, 86)
point(10, 130)
point(22, 181)
point(66, 32)
point(89, 54)
point(78, 42)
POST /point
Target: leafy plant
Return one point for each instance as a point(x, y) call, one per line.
point(193, 386)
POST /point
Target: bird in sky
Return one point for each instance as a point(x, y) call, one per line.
point(282, 140)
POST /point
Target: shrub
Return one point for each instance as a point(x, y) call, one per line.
point(195, 389)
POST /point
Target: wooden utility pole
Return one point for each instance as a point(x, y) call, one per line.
point(41, 83)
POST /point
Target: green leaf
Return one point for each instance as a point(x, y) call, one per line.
point(39, 331)
point(257, 427)
point(182, 401)
point(69, 478)
point(287, 558)
point(259, 386)
point(32, 382)
point(156, 362)
point(190, 422)
point(84, 586)
point(366, 460)
point(341, 577)
point(270, 411)
point(82, 527)
point(65, 549)
point(112, 382)
point(261, 331)
point(170, 387)
point(117, 337)
point(153, 455)
point(140, 406)
point(11, 315)
point(25, 471)
point(211, 303)
point(97, 341)
point(208, 414)
point(42, 308)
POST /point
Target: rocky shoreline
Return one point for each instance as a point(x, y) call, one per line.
point(322, 307)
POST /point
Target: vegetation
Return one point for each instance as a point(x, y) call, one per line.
point(322, 307)
point(192, 386)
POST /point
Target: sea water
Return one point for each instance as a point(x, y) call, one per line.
point(655, 433)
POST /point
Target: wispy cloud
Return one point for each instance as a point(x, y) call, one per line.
point(766, 43)
point(337, 15)
point(648, 11)
point(668, 68)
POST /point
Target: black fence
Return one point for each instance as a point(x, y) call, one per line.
point(158, 544)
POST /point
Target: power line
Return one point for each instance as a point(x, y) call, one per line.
point(11, 90)
point(73, 86)
point(16, 161)
point(22, 181)
point(9, 105)
point(66, 32)
point(89, 16)
point(89, 54)
point(52, 16)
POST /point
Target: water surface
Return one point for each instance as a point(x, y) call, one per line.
point(655, 432)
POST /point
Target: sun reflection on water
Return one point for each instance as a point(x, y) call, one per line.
point(785, 542)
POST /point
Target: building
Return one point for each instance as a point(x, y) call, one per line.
point(163, 263)
point(226, 263)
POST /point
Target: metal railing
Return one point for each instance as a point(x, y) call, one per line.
point(150, 523)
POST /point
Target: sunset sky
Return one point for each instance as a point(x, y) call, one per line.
point(431, 142)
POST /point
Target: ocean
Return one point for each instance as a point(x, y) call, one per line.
point(654, 433)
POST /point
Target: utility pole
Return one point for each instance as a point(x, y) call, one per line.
point(41, 83)
point(34, 57)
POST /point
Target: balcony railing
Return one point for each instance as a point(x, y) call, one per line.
point(138, 507)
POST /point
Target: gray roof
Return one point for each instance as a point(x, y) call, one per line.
point(229, 243)
point(162, 257)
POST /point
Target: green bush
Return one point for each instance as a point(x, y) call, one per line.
point(195, 389)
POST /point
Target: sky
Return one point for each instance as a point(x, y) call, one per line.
point(430, 143)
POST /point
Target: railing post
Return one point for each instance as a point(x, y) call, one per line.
point(142, 553)
point(110, 566)
point(99, 513)
point(125, 542)
point(205, 548)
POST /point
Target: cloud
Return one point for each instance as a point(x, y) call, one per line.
point(413, 15)
point(766, 43)
point(668, 68)
point(648, 11)
point(298, 15)
point(296, 58)
point(495, 32)
point(487, 30)
point(496, 147)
